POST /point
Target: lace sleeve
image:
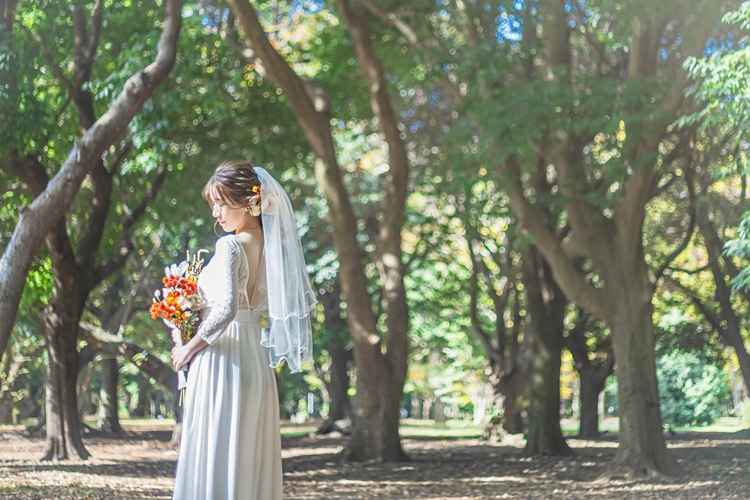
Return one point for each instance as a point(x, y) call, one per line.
point(221, 315)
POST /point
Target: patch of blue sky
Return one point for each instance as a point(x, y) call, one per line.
point(510, 28)
point(307, 5)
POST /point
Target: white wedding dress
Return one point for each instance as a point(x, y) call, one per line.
point(231, 444)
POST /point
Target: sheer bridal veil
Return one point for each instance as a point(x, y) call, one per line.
point(290, 297)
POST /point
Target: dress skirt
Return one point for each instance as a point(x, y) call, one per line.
point(231, 444)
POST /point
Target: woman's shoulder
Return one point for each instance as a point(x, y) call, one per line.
point(228, 243)
point(248, 238)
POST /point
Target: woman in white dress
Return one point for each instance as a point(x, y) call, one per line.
point(231, 445)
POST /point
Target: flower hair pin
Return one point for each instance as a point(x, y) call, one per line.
point(254, 209)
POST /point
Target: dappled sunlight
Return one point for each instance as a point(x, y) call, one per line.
point(142, 466)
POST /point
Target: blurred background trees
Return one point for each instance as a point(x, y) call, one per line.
point(514, 213)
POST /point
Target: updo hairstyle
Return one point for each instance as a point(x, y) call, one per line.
point(235, 184)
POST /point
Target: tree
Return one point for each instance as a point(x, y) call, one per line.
point(380, 377)
point(589, 96)
point(45, 211)
point(717, 188)
point(589, 343)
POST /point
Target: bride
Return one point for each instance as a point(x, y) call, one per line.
point(259, 300)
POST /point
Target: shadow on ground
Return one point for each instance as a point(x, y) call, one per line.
point(142, 466)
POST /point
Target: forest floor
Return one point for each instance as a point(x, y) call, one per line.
point(717, 466)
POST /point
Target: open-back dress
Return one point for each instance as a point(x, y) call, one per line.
point(231, 445)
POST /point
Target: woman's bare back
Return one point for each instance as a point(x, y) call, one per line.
point(252, 242)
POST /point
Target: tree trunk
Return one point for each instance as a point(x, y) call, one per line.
point(364, 443)
point(642, 450)
point(141, 407)
point(592, 376)
point(390, 263)
point(545, 311)
point(512, 421)
point(109, 421)
point(339, 407)
point(63, 431)
point(589, 427)
point(86, 374)
point(378, 376)
point(6, 409)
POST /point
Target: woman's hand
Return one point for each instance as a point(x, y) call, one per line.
point(181, 356)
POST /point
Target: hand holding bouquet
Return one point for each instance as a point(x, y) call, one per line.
point(178, 304)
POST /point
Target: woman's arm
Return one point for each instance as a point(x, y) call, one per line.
point(220, 316)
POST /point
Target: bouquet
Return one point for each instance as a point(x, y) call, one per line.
point(178, 304)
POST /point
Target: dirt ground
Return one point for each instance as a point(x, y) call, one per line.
point(142, 466)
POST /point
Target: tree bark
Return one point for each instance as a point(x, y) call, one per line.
point(109, 420)
point(141, 407)
point(642, 450)
point(545, 305)
point(51, 205)
point(63, 430)
point(339, 407)
point(589, 425)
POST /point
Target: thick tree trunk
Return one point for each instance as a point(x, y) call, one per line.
point(545, 311)
point(642, 450)
point(364, 443)
point(63, 431)
point(390, 263)
point(378, 375)
point(109, 420)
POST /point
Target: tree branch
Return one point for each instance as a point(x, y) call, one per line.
point(115, 345)
point(565, 273)
point(687, 236)
point(393, 19)
point(44, 212)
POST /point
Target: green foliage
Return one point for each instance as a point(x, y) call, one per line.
point(740, 247)
point(690, 391)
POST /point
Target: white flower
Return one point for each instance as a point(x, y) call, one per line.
point(188, 314)
point(176, 336)
point(177, 270)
